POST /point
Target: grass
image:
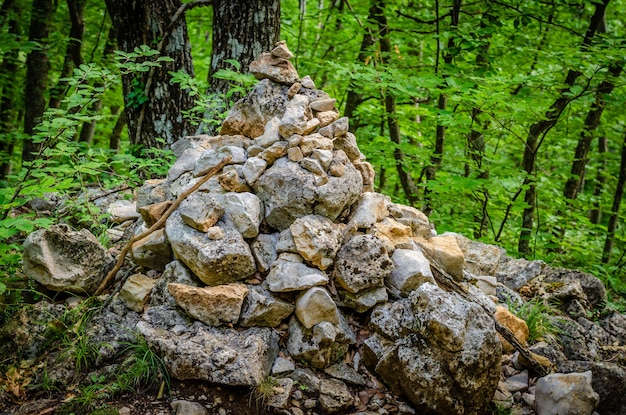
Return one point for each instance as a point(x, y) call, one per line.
point(537, 315)
point(144, 369)
point(264, 391)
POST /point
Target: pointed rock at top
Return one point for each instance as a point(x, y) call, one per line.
point(268, 66)
point(281, 50)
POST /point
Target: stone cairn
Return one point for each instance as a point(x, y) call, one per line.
point(268, 266)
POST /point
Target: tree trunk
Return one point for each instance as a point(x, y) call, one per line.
point(73, 56)
point(440, 136)
point(8, 117)
point(37, 67)
point(617, 200)
point(592, 121)
point(151, 23)
point(541, 128)
point(114, 139)
point(242, 30)
point(409, 188)
point(600, 180)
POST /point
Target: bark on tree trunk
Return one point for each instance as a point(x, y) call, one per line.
point(9, 93)
point(150, 23)
point(409, 188)
point(617, 200)
point(242, 30)
point(73, 56)
point(37, 67)
point(600, 180)
point(541, 128)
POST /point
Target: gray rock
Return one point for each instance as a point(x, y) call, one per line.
point(371, 208)
point(282, 393)
point(412, 217)
point(346, 373)
point(211, 158)
point(362, 263)
point(518, 383)
point(270, 135)
point(122, 210)
point(264, 250)
point(410, 270)
point(282, 365)
point(561, 393)
point(218, 355)
point(593, 288)
point(315, 346)
point(244, 211)
point(317, 239)
point(515, 273)
point(201, 210)
point(335, 397)
point(614, 323)
point(314, 306)
point(608, 380)
point(286, 275)
point(480, 258)
point(153, 191)
point(186, 162)
point(362, 301)
point(213, 261)
point(153, 251)
point(294, 120)
point(250, 114)
point(188, 408)
point(64, 260)
point(348, 144)
point(335, 129)
point(253, 168)
point(261, 308)
point(445, 355)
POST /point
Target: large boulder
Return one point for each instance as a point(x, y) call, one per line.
point(218, 355)
point(442, 352)
point(565, 393)
point(65, 260)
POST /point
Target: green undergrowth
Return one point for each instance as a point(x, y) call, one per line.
point(538, 316)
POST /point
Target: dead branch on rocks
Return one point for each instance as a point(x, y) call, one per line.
point(158, 224)
point(448, 283)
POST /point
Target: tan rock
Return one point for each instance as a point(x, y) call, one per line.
point(322, 105)
point(517, 326)
point(277, 69)
point(314, 306)
point(327, 117)
point(445, 251)
point(136, 291)
point(393, 234)
point(295, 154)
point(214, 306)
point(281, 50)
point(152, 213)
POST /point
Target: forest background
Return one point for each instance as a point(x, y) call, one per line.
point(503, 120)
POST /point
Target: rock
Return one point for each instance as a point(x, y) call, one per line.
point(317, 239)
point(307, 82)
point(136, 291)
point(274, 152)
point(277, 69)
point(335, 397)
point(153, 191)
point(515, 273)
point(250, 114)
point(414, 218)
point(295, 154)
point(362, 263)
point(366, 170)
point(188, 408)
point(214, 306)
point(215, 233)
point(286, 275)
point(608, 380)
point(480, 258)
point(321, 105)
point(314, 306)
point(64, 260)
point(253, 168)
point(614, 323)
point(335, 129)
point(202, 141)
point(261, 308)
point(175, 272)
point(364, 300)
point(410, 270)
point(201, 210)
point(244, 211)
point(281, 50)
point(270, 135)
point(152, 213)
point(593, 288)
point(281, 393)
point(294, 120)
point(371, 208)
point(327, 117)
point(294, 89)
point(488, 285)
point(445, 250)
point(319, 345)
point(561, 393)
point(393, 234)
point(211, 158)
point(312, 165)
point(348, 144)
point(515, 324)
point(282, 365)
point(264, 250)
point(231, 179)
point(518, 383)
point(218, 355)
point(324, 157)
point(122, 210)
point(186, 162)
point(153, 251)
point(445, 355)
point(213, 261)
point(346, 373)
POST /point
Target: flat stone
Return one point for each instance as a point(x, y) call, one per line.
point(201, 211)
point(214, 306)
point(293, 276)
point(274, 68)
point(262, 309)
point(136, 291)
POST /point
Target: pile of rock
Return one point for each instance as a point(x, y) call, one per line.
point(273, 263)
